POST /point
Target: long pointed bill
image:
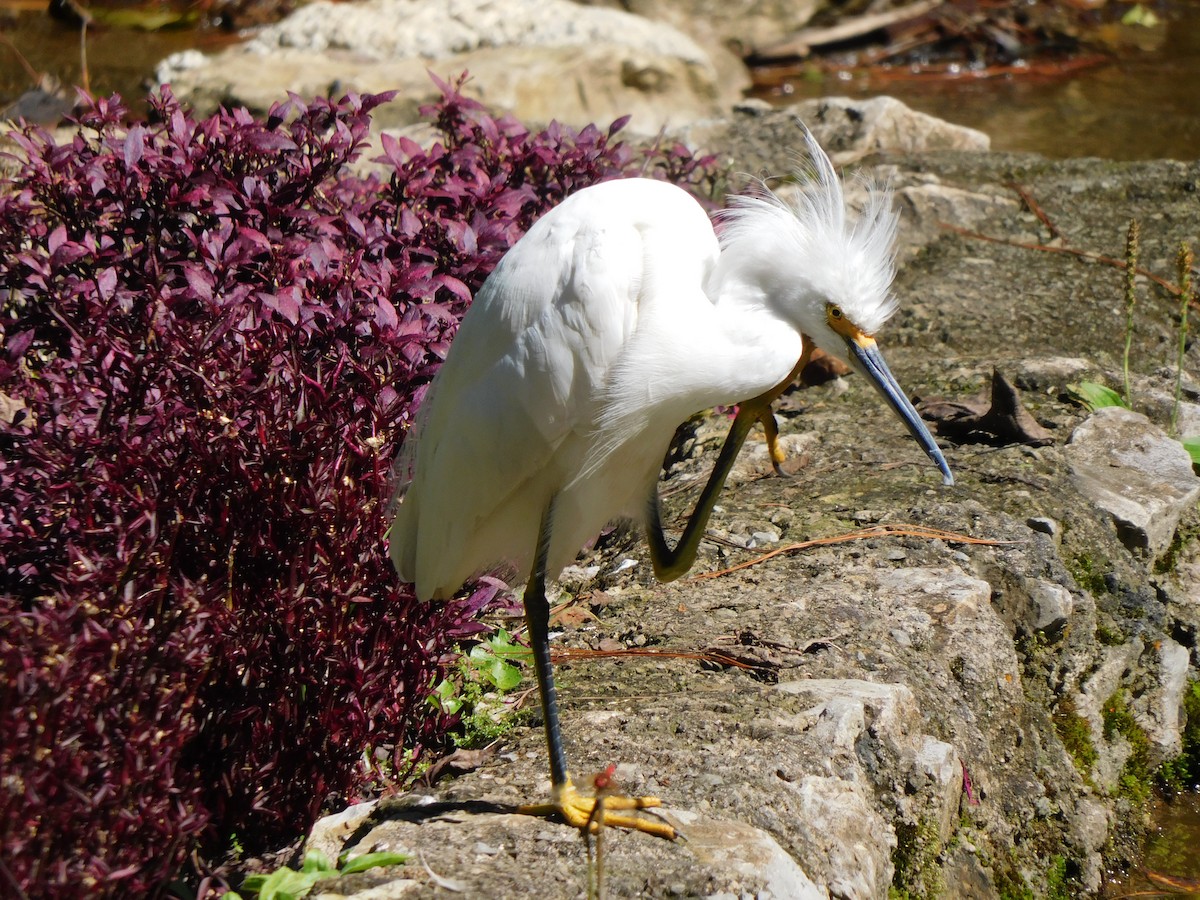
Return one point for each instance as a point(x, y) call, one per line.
point(865, 353)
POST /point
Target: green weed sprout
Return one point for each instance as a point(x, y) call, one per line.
point(286, 883)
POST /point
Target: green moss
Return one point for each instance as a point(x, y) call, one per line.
point(1136, 778)
point(1058, 880)
point(918, 873)
point(1089, 572)
point(1076, 736)
point(1109, 635)
point(1187, 532)
point(485, 716)
point(1183, 772)
point(1012, 887)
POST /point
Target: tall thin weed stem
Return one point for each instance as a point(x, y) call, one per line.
point(1132, 241)
point(1183, 266)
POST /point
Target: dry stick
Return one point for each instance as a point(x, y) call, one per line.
point(1172, 289)
point(604, 786)
point(85, 77)
point(901, 530)
point(578, 654)
point(800, 43)
point(1036, 208)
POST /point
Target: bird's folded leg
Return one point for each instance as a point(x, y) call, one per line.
point(579, 811)
point(774, 451)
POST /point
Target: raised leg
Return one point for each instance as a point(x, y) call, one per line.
point(669, 563)
point(576, 809)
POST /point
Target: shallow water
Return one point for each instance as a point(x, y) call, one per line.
point(1172, 850)
point(119, 60)
point(1144, 104)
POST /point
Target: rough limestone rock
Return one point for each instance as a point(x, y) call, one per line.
point(1132, 470)
point(905, 715)
point(761, 139)
point(548, 60)
point(741, 25)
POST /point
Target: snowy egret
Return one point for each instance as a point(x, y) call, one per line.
point(614, 319)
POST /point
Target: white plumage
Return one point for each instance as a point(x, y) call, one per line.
point(614, 319)
point(611, 322)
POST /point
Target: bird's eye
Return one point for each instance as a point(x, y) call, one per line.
point(835, 312)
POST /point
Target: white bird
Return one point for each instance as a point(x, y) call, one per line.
point(614, 319)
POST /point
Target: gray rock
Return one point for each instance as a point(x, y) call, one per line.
point(1112, 668)
point(750, 852)
point(1053, 606)
point(1163, 725)
point(928, 206)
point(765, 140)
point(550, 60)
point(1133, 471)
point(851, 128)
point(741, 24)
point(848, 836)
point(718, 856)
point(329, 835)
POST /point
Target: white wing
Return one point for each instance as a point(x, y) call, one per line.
point(509, 417)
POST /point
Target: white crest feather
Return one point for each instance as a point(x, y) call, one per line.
point(848, 259)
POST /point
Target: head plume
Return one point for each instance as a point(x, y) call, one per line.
point(812, 240)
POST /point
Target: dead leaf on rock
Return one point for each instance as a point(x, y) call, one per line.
point(572, 616)
point(458, 763)
point(1000, 420)
point(822, 368)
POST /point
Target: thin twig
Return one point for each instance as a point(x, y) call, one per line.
point(901, 530)
point(1036, 208)
point(1172, 289)
point(802, 42)
point(578, 654)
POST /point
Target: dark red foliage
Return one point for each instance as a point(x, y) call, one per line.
point(213, 340)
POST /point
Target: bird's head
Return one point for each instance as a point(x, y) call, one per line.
point(824, 272)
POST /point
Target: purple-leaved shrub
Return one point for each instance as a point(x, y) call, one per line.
point(213, 339)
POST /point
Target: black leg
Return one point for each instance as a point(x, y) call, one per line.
point(537, 617)
point(577, 810)
point(670, 564)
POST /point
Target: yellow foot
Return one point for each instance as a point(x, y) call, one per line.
point(774, 451)
point(581, 812)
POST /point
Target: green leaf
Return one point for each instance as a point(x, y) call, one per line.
point(446, 697)
point(1140, 15)
point(315, 861)
point(145, 19)
point(489, 660)
point(288, 884)
point(1096, 396)
point(504, 676)
point(1192, 446)
point(231, 895)
point(501, 644)
point(374, 860)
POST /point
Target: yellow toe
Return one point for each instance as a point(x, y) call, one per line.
point(580, 812)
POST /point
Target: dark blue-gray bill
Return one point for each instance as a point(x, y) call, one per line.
point(870, 363)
